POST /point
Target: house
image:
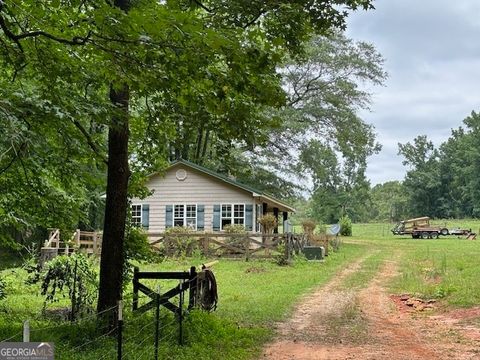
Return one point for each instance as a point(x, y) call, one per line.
point(193, 196)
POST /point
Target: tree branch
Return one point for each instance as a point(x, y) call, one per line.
point(76, 40)
point(90, 141)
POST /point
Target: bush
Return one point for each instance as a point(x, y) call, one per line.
point(345, 226)
point(2, 289)
point(74, 277)
point(268, 222)
point(181, 245)
point(309, 226)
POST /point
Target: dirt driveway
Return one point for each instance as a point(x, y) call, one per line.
point(337, 323)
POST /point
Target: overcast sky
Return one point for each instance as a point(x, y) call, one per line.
point(432, 54)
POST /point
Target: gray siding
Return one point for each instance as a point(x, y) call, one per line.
point(197, 188)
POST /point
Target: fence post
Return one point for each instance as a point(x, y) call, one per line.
point(157, 321)
point(180, 314)
point(26, 331)
point(135, 288)
point(193, 287)
point(120, 330)
point(288, 247)
point(246, 242)
point(74, 296)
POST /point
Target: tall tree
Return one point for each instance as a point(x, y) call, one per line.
point(167, 49)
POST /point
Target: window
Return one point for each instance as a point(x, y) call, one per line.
point(137, 215)
point(185, 215)
point(226, 215)
point(237, 216)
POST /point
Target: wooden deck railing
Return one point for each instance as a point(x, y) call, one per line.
point(89, 242)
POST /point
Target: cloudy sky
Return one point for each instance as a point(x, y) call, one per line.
point(432, 54)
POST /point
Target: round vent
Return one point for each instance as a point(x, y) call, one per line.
point(181, 174)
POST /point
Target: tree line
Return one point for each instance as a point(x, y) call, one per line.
point(441, 182)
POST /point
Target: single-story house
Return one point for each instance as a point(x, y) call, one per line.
point(190, 195)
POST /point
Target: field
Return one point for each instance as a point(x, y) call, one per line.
point(254, 296)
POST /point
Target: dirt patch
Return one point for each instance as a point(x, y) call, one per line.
point(369, 324)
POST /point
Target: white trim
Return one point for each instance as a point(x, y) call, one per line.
point(232, 216)
point(185, 214)
point(141, 214)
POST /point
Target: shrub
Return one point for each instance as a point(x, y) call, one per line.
point(181, 245)
point(309, 226)
point(345, 226)
point(74, 277)
point(268, 222)
point(2, 289)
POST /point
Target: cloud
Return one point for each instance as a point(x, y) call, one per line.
point(433, 60)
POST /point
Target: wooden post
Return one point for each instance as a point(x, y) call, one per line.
point(77, 238)
point(95, 245)
point(120, 330)
point(135, 288)
point(26, 331)
point(275, 213)
point(193, 287)
point(246, 244)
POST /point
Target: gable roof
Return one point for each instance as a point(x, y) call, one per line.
point(226, 179)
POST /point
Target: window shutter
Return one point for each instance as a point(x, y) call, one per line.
point(249, 217)
point(168, 216)
point(145, 215)
point(216, 218)
point(200, 217)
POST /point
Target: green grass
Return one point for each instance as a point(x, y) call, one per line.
point(445, 268)
point(252, 296)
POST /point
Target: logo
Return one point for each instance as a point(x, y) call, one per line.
point(26, 351)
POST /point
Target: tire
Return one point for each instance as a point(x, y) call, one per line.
point(444, 231)
point(425, 235)
point(434, 235)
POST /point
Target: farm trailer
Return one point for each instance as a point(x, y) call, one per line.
point(420, 228)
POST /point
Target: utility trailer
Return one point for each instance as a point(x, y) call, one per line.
point(419, 228)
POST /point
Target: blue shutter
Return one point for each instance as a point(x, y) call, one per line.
point(145, 215)
point(249, 217)
point(168, 216)
point(216, 218)
point(200, 217)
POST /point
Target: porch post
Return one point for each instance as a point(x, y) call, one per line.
point(275, 213)
point(285, 218)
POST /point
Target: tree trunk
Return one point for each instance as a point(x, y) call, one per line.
point(118, 174)
point(112, 260)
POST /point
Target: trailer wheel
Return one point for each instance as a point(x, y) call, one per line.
point(444, 231)
point(434, 235)
point(425, 235)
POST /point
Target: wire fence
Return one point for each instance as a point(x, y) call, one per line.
point(137, 336)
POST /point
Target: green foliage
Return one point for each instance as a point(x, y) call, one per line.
point(268, 222)
point(181, 244)
point(345, 226)
point(234, 229)
point(73, 277)
point(3, 286)
point(137, 247)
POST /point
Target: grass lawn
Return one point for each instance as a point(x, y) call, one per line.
point(446, 268)
point(252, 296)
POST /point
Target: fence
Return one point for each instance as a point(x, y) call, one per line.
point(245, 246)
point(140, 334)
point(89, 242)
